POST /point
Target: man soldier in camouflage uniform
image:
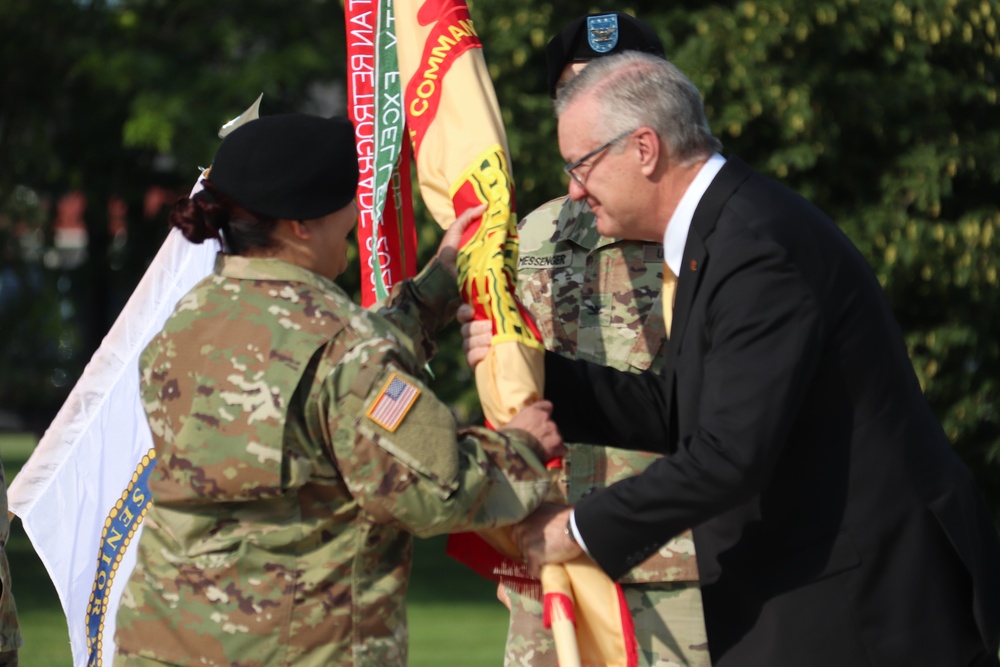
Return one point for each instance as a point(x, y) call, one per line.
point(10, 631)
point(298, 449)
point(598, 299)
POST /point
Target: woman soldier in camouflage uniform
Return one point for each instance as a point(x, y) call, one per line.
point(298, 451)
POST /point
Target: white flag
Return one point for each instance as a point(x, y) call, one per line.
point(82, 495)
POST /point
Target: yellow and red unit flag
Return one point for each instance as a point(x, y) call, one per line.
point(461, 153)
point(459, 146)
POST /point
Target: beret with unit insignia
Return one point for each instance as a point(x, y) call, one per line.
point(596, 35)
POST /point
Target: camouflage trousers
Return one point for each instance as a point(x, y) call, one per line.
point(669, 627)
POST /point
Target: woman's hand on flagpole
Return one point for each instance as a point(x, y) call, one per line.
point(448, 249)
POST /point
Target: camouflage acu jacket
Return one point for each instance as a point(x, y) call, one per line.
point(298, 451)
point(10, 632)
point(598, 299)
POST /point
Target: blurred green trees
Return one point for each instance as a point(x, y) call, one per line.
point(883, 113)
point(110, 99)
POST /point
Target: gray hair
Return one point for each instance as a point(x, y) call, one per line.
point(636, 89)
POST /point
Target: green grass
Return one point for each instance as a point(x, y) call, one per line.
point(43, 625)
point(454, 616)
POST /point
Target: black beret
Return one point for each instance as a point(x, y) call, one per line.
point(291, 166)
point(596, 35)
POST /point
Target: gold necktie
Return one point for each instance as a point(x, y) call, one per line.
point(669, 293)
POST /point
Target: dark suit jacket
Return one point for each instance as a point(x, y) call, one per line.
point(833, 523)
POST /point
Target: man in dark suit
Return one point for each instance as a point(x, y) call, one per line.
point(833, 523)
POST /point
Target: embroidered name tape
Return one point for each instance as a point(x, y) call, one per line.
point(555, 261)
point(393, 402)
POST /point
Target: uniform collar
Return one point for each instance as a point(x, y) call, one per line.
point(261, 268)
point(569, 227)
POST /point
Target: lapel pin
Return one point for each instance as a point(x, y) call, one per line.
point(694, 265)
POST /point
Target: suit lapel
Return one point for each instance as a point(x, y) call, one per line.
point(696, 258)
point(696, 255)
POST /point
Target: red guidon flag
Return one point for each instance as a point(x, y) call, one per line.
point(462, 160)
point(387, 239)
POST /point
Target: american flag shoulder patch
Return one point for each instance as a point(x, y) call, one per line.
point(393, 402)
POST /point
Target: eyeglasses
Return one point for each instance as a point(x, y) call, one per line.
point(571, 167)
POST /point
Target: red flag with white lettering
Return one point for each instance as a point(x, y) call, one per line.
point(387, 240)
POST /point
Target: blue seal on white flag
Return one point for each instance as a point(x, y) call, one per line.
point(602, 32)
